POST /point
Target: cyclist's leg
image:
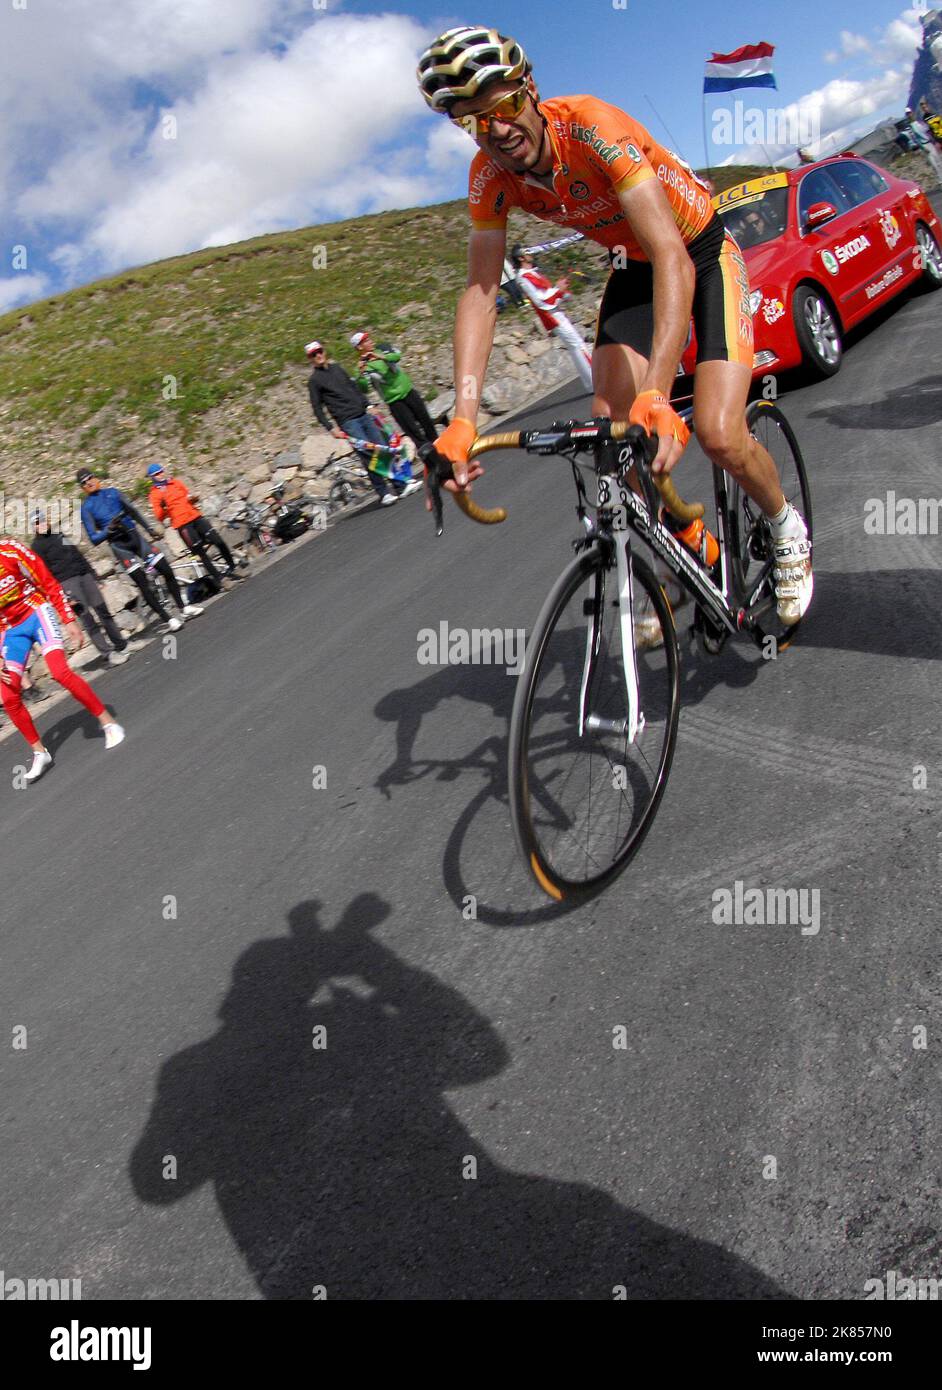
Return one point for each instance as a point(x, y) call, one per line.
point(133, 567)
point(723, 374)
point(50, 642)
point(212, 537)
point(721, 388)
point(194, 537)
point(14, 654)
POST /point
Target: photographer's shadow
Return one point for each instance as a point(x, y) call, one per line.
point(338, 1163)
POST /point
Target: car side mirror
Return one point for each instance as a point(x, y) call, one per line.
point(819, 213)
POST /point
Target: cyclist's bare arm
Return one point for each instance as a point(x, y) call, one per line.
point(475, 319)
point(652, 221)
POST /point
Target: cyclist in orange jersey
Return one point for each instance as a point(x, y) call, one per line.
point(585, 164)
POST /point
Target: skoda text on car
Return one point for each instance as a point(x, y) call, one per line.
point(826, 245)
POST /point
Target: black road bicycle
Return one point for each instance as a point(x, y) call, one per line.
point(594, 720)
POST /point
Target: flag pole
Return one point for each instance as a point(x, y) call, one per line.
point(706, 154)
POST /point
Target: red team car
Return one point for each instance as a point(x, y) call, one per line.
point(825, 245)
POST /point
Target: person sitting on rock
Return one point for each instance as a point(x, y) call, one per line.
point(545, 298)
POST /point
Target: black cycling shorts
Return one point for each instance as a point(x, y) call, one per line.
point(721, 313)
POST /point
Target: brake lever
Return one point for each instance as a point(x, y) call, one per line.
point(644, 446)
point(437, 471)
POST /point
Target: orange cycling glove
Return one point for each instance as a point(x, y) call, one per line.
point(654, 411)
point(454, 442)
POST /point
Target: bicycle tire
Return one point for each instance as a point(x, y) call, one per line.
point(749, 533)
point(551, 861)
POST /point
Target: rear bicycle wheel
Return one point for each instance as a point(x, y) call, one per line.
point(750, 535)
point(581, 804)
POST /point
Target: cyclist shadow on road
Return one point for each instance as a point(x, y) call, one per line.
point(345, 1167)
point(910, 407)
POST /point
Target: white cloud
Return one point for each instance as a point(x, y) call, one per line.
point(847, 107)
point(842, 107)
point(896, 42)
point(22, 289)
point(448, 147)
point(325, 122)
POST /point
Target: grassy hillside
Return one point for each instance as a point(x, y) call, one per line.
point(198, 359)
point(86, 375)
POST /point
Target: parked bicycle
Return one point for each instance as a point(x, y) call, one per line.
point(594, 720)
point(351, 479)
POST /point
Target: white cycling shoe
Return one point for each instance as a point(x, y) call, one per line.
point(191, 610)
point(114, 734)
point(794, 581)
point(42, 759)
point(387, 499)
point(411, 487)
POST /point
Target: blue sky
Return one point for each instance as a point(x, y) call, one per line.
point(153, 127)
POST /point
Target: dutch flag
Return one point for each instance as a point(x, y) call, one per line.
point(750, 66)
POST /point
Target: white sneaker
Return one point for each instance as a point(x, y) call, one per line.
point(387, 499)
point(114, 734)
point(794, 581)
point(117, 658)
point(191, 610)
point(409, 488)
point(174, 624)
point(42, 759)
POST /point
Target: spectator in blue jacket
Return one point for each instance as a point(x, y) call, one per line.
point(109, 516)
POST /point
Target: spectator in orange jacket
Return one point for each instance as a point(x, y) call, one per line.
point(172, 503)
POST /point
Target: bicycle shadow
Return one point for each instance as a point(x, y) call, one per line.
point(408, 707)
point(344, 1167)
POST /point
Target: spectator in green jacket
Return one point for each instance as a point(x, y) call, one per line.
point(379, 367)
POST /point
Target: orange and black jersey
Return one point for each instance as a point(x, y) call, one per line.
point(598, 152)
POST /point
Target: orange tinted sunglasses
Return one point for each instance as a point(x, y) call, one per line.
point(478, 123)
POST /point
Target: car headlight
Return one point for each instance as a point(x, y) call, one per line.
point(755, 299)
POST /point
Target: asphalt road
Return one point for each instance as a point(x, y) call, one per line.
point(182, 913)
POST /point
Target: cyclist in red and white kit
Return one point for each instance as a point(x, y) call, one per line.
point(32, 607)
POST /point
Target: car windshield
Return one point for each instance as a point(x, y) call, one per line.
point(759, 220)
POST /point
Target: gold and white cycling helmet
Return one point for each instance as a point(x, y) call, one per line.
point(462, 61)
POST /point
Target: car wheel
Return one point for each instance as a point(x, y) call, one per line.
point(927, 248)
point(818, 331)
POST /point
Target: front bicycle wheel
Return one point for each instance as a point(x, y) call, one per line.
point(581, 803)
point(750, 536)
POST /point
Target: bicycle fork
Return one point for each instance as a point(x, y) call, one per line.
point(633, 725)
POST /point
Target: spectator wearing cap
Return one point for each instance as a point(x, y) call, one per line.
point(379, 368)
point(333, 390)
point(172, 504)
point(109, 516)
point(67, 564)
point(546, 298)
